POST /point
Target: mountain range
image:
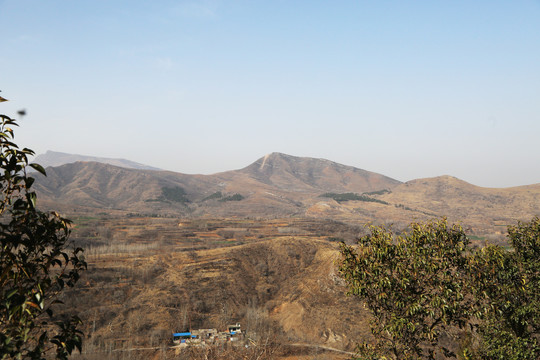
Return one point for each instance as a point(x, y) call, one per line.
point(281, 185)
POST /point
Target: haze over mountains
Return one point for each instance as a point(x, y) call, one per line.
point(283, 185)
point(55, 158)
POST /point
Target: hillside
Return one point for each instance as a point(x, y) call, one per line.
point(455, 197)
point(484, 212)
point(149, 277)
point(300, 174)
point(102, 186)
point(286, 285)
point(460, 201)
point(280, 185)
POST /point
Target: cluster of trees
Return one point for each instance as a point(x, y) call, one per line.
point(429, 283)
point(216, 195)
point(233, 197)
point(35, 264)
point(351, 197)
point(174, 194)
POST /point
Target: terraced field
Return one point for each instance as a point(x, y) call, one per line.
point(150, 277)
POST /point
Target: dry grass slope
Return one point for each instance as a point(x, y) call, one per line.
point(281, 288)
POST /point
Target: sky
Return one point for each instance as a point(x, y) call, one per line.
point(408, 89)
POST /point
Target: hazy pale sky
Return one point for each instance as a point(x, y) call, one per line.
point(409, 89)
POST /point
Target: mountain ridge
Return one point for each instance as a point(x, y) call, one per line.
point(285, 181)
point(56, 158)
point(280, 185)
point(284, 170)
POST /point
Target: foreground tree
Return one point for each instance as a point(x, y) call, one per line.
point(35, 265)
point(418, 284)
point(412, 285)
point(506, 287)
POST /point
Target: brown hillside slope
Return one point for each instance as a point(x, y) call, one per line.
point(461, 201)
point(280, 185)
point(284, 288)
point(303, 174)
point(98, 185)
point(484, 212)
point(275, 185)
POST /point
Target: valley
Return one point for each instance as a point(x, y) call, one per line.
point(169, 252)
point(150, 277)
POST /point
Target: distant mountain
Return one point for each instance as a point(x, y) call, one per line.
point(274, 184)
point(98, 185)
point(310, 174)
point(452, 197)
point(280, 185)
point(54, 158)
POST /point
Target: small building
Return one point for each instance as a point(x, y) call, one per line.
point(234, 329)
point(205, 335)
point(208, 336)
point(181, 338)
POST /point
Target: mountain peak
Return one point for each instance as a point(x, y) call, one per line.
point(275, 157)
point(305, 174)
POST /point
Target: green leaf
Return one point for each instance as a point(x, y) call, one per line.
point(31, 199)
point(11, 293)
point(38, 168)
point(29, 181)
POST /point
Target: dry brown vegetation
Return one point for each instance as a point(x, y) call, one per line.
point(287, 186)
point(150, 277)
